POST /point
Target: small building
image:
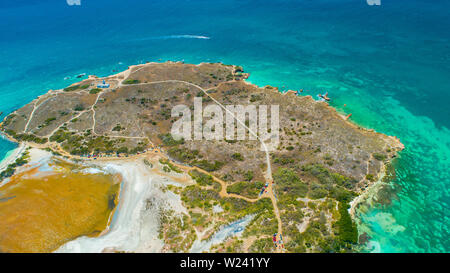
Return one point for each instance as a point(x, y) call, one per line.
point(103, 85)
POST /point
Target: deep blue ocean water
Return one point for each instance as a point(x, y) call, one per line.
point(389, 64)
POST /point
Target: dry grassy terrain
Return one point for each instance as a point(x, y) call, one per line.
point(320, 164)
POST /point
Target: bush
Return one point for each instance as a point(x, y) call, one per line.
point(95, 91)
point(283, 160)
point(380, 157)
point(248, 176)
point(76, 87)
point(237, 156)
point(30, 138)
point(201, 178)
point(170, 165)
point(11, 169)
point(194, 196)
point(208, 166)
point(7, 173)
point(168, 140)
point(264, 245)
point(317, 191)
point(122, 150)
point(183, 155)
point(118, 128)
point(248, 189)
point(255, 97)
point(131, 81)
point(370, 177)
point(289, 182)
point(48, 121)
point(348, 233)
point(341, 194)
point(8, 120)
point(71, 88)
point(78, 107)
point(328, 178)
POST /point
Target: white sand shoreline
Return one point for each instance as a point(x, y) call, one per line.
point(13, 156)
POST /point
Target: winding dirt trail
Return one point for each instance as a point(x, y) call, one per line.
point(35, 107)
point(223, 193)
point(268, 175)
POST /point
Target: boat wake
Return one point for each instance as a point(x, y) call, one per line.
point(185, 36)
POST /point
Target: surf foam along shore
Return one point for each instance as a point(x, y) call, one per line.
point(12, 156)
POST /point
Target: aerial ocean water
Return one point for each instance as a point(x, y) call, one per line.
point(389, 65)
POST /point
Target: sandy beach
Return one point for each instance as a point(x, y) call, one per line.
point(12, 157)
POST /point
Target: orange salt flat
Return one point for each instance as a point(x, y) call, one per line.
point(40, 213)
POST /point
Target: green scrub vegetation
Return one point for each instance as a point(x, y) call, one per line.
point(201, 178)
point(11, 169)
point(170, 166)
point(131, 81)
point(245, 188)
point(76, 87)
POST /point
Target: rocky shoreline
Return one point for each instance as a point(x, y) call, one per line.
point(322, 157)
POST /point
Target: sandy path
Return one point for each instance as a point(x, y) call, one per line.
point(122, 227)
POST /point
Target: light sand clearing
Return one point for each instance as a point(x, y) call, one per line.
point(37, 156)
point(134, 227)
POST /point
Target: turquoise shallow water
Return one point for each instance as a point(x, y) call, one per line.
point(388, 64)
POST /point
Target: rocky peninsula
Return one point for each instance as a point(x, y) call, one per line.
point(179, 195)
